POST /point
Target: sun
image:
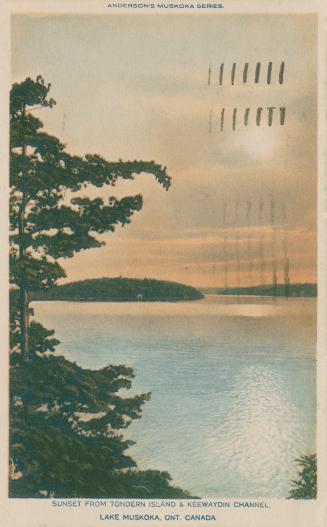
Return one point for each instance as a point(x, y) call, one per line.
point(259, 142)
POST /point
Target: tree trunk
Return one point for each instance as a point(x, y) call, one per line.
point(23, 292)
point(24, 322)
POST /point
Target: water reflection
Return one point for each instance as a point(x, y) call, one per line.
point(232, 382)
point(258, 434)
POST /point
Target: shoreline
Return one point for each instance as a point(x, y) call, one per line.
point(171, 300)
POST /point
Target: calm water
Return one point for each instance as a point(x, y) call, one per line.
point(232, 382)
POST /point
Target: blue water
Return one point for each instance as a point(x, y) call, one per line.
point(232, 383)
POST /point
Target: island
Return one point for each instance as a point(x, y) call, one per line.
point(120, 290)
point(288, 290)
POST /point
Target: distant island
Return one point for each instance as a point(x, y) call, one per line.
point(291, 290)
point(120, 290)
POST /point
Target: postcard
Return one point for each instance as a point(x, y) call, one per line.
point(164, 195)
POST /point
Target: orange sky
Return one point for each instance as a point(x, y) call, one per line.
point(136, 88)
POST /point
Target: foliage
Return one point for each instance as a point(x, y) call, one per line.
point(66, 432)
point(305, 487)
point(120, 289)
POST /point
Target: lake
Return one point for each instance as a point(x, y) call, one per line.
point(232, 380)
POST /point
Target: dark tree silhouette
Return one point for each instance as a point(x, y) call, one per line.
point(305, 486)
point(66, 422)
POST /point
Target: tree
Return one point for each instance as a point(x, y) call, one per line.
point(45, 223)
point(305, 487)
point(66, 422)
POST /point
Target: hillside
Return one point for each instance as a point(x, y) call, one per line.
point(120, 290)
point(293, 290)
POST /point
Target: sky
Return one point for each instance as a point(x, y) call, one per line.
point(128, 87)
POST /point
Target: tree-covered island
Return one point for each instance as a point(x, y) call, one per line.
point(279, 290)
point(120, 290)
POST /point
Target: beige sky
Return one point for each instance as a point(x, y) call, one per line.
point(136, 88)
